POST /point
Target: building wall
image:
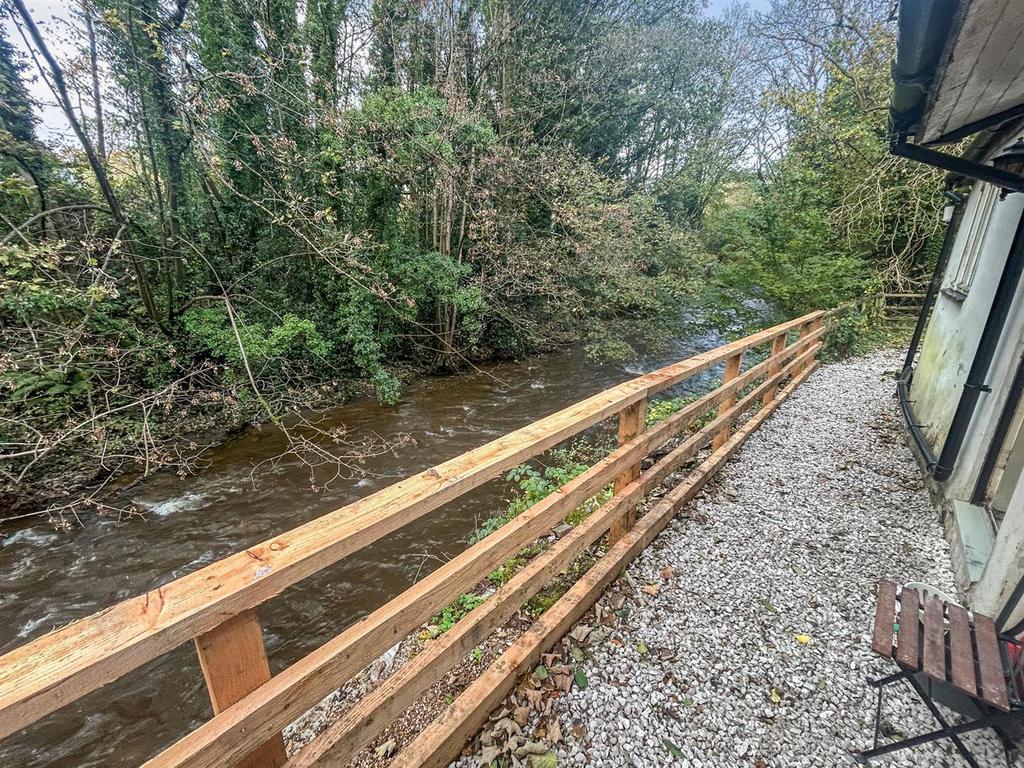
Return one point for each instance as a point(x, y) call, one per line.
point(1005, 567)
point(985, 234)
point(954, 331)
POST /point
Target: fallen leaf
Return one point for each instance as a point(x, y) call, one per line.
point(673, 749)
point(385, 749)
point(667, 572)
point(803, 639)
point(521, 715)
point(534, 696)
point(651, 589)
point(576, 653)
point(641, 648)
point(534, 748)
point(562, 682)
point(598, 636)
point(488, 755)
point(541, 672)
point(547, 760)
point(767, 605)
point(579, 633)
point(554, 734)
point(508, 726)
point(580, 676)
point(776, 697)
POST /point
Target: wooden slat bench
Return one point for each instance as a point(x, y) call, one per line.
point(937, 643)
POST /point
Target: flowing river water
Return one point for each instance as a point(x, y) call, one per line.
point(49, 578)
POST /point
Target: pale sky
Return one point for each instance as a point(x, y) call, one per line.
point(53, 16)
point(50, 16)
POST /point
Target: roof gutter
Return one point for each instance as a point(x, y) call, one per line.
point(923, 32)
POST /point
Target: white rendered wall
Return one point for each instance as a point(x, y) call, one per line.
point(1005, 567)
point(951, 341)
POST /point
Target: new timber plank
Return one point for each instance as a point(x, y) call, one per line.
point(444, 738)
point(631, 424)
point(732, 370)
point(64, 665)
point(300, 686)
point(374, 712)
point(778, 344)
point(961, 650)
point(933, 657)
point(885, 615)
point(234, 664)
point(908, 639)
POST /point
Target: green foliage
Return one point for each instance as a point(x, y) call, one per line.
point(501, 575)
point(660, 410)
point(420, 203)
point(291, 346)
point(837, 217)
point(455, 612)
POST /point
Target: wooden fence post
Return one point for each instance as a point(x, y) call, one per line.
point(778, 346)
point(805, 330)
point(632, 420)
point(732, 370)
point(809, 328)
point(234, 664)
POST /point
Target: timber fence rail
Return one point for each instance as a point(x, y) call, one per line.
point(217, 606)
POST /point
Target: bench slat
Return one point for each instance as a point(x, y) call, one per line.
point(961, 650)
point(934, 657)
point(908, 649)
point(885, 614)
point(992, 685)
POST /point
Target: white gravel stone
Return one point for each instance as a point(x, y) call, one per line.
point(822, 501)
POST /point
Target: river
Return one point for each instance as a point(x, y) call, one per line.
point(49, 578)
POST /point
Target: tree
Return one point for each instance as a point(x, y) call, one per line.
point(831, 214)
point(18, 141)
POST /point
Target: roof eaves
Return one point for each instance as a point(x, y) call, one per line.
point(925, 32)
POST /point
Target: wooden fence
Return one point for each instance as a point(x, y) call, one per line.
point(216, 606)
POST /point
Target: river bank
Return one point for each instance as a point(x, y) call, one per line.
point(69, 485)
point(76, 484)
point(49, 578)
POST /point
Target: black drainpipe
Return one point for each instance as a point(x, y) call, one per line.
point(907, 374)
point(1009, 280)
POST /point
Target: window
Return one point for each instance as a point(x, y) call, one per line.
point(960, 274)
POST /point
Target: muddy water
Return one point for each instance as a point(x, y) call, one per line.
point(48, 579)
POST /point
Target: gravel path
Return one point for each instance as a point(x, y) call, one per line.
point(754, 649)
